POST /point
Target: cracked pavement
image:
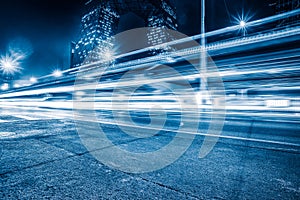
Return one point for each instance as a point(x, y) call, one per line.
point(45, 159)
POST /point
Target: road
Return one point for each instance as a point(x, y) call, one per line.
point(42, 157)
point(257, 156)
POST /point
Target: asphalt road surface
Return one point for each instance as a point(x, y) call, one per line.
point(42, 157)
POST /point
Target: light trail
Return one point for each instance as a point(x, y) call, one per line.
point(208, 34)
point(65, 114)
point(257, 80)
point(195, 51)
point(255, 110)
point(263, 57)
point(211, 48)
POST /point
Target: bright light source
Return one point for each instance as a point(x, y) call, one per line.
point(108, 55)
point(9, 65)
point(5, 86)
point(16, 85)
point(57, 73)
point(242, 20)
point(243, 24)
point(33, 80)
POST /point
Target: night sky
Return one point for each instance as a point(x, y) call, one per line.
point(45, 28)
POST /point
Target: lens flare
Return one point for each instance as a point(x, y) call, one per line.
point(57, 73)
point(5, 86)
point(9, 65)
point(33, 80)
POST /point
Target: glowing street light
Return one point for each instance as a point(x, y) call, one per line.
point(243, 24)
point(33, 80)
point(5, 86)
point(203, 58)
point(9, 65)
point(242, 21)
point(57, 73)
point(16, 85)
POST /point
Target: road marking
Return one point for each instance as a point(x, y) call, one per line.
point(7, 134)
point(119, 123)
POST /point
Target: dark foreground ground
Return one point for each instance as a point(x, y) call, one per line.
point(45, 159)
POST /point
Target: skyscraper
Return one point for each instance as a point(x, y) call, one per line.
point(101, 21)
point(282, 6)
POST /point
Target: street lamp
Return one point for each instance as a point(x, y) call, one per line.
point(33, 80)
point(5, 86)
point(9, 65)
point(242, 24)
point(16, 85)
point(203, 61)
point(242, 21)
point(57, 73)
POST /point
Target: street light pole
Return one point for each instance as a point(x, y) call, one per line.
point(203, 55)
point(243, 27)
point(202, 23)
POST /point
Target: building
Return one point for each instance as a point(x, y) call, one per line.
point(282, 6)
point(101, 22)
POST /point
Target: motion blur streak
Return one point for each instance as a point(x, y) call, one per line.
point(260, 72)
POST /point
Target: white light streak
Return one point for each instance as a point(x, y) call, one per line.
point(277, 103)
point(57, 73)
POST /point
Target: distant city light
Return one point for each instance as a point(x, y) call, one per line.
point(243, 24)
point(33, 80)
point(57, 73)
point(108, 55)
point(9, 65)
point(16, 85)
point(5, 86)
